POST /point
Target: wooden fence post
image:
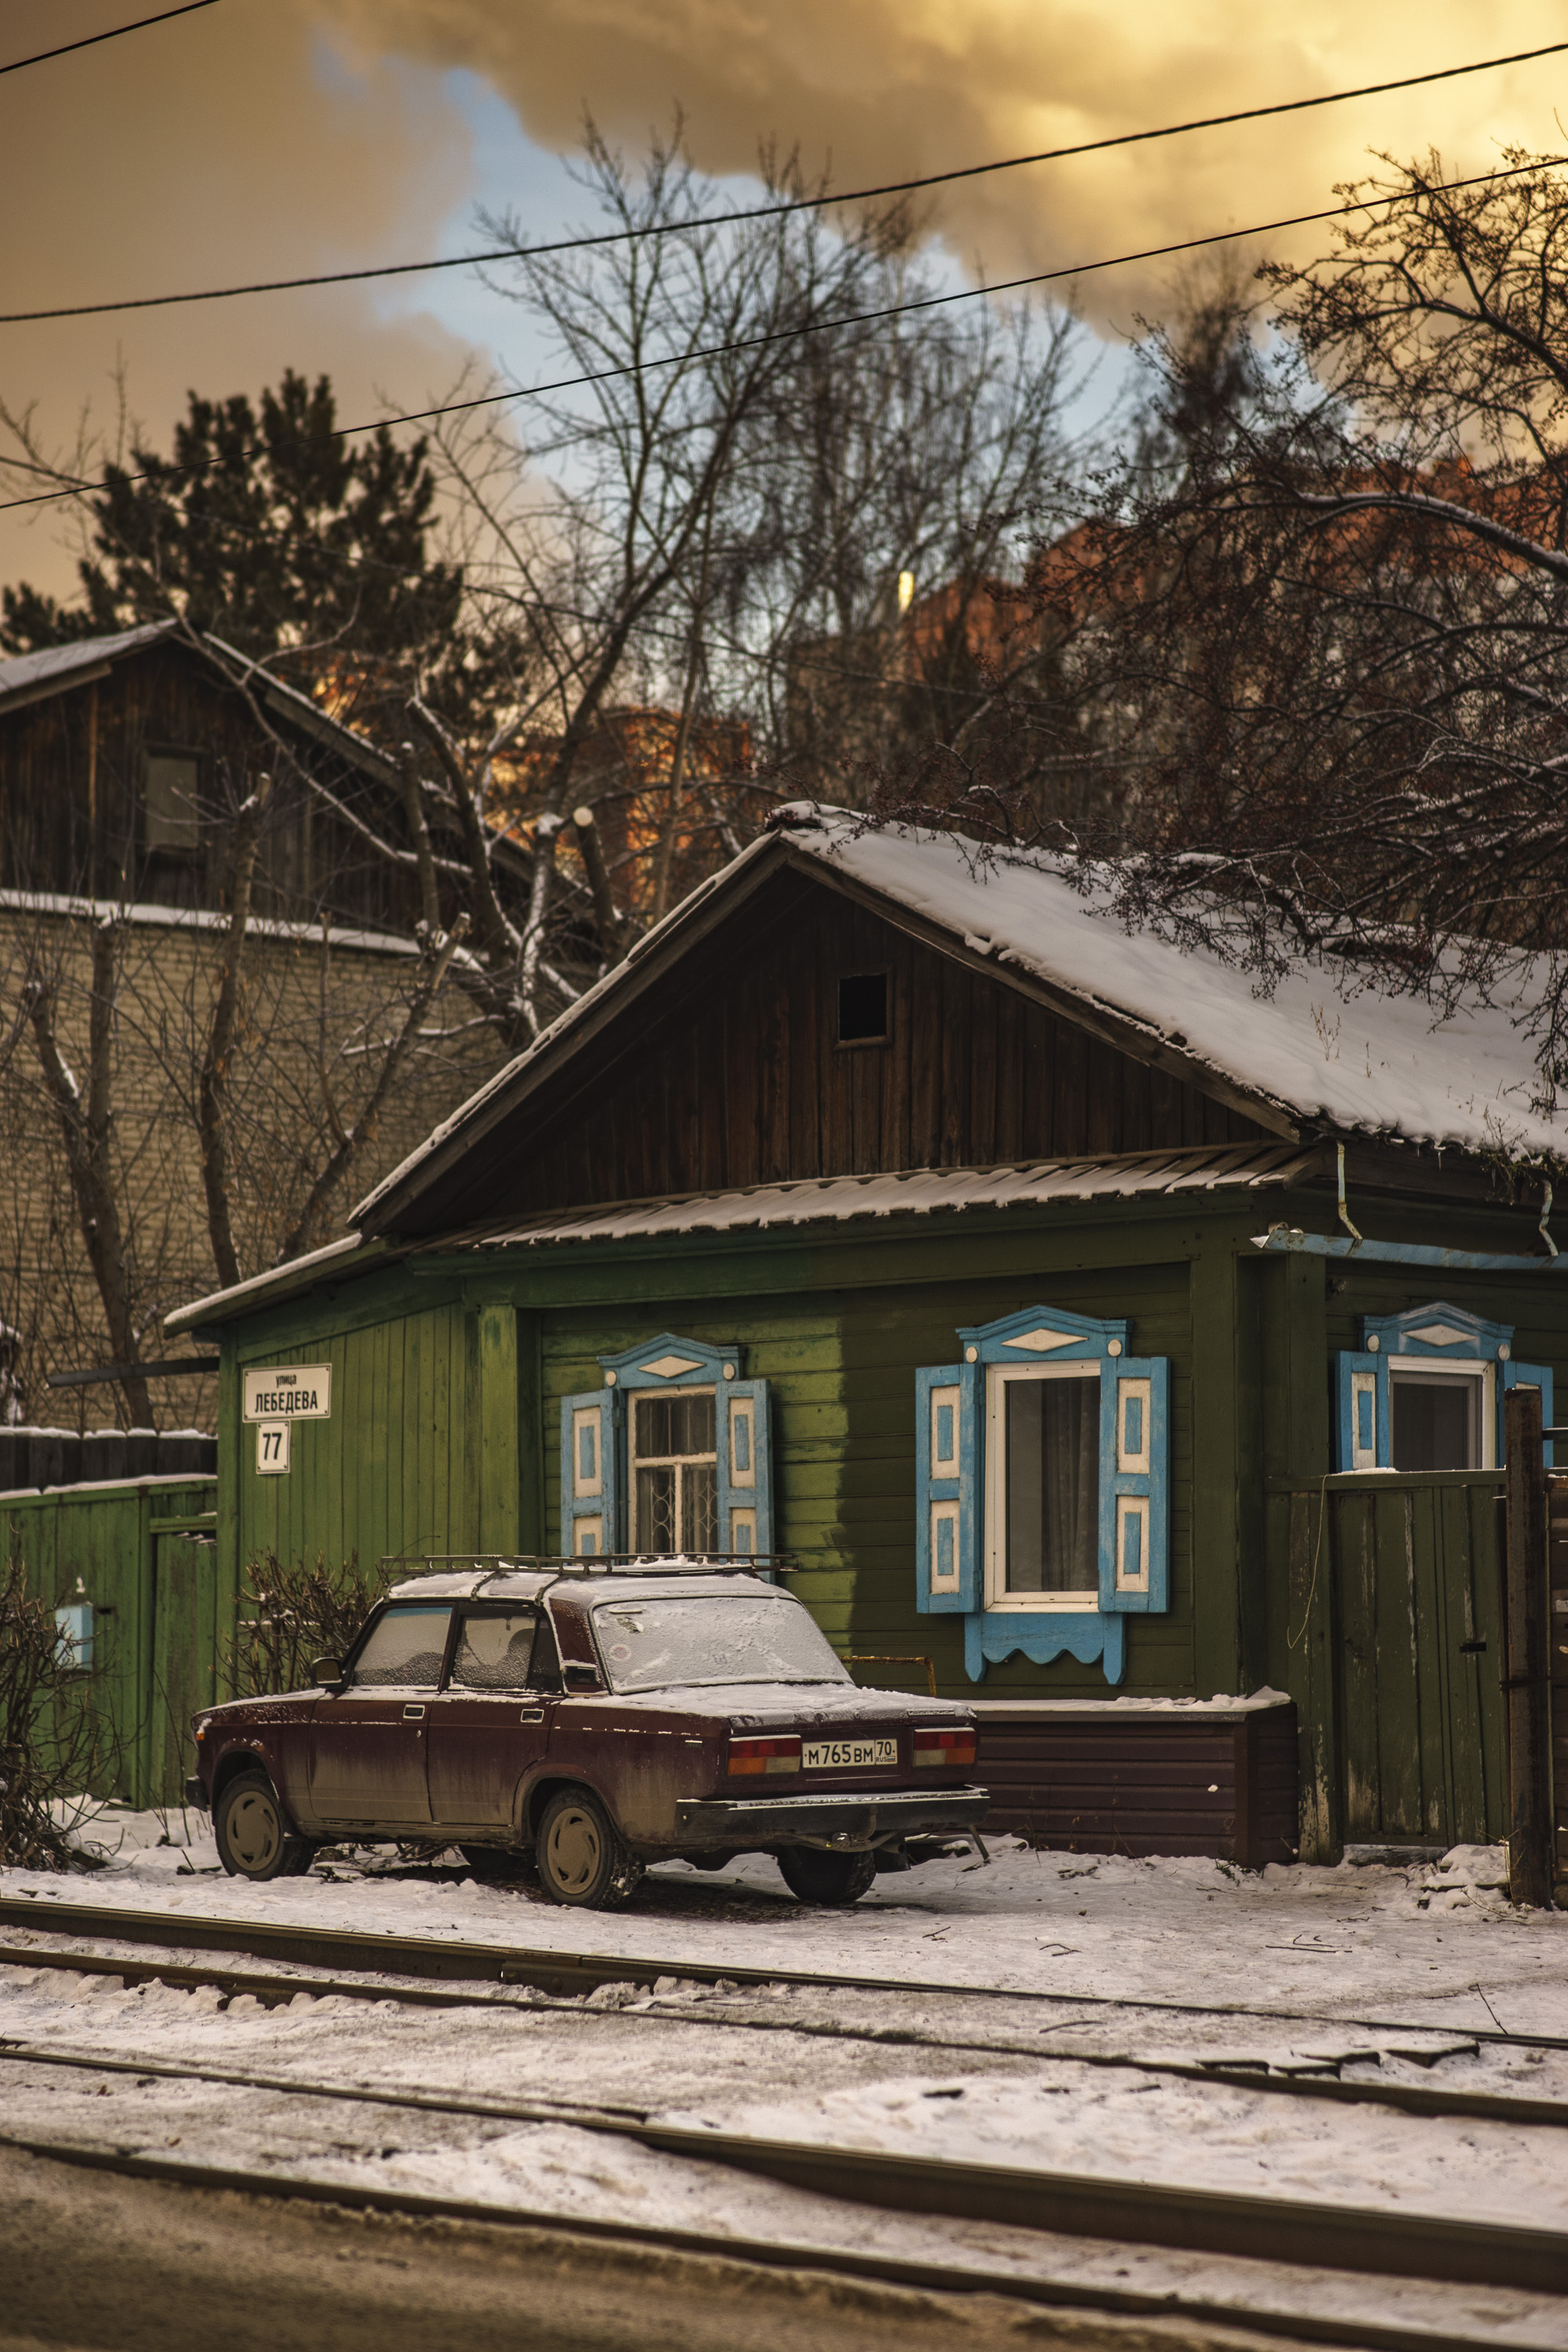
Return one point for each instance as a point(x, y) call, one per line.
point(1526, 1657)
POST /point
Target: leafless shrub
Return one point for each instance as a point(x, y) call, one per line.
point(302, 1612)
point(52, 1746)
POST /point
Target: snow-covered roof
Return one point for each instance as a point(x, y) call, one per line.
point(26, 677)
point(1318, 1045)
point(1322, 1047)
point(260, 1288)
point(916, 1191)
point(22, 674)
point(148, 914)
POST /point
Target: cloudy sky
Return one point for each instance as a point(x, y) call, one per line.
point(262, 138)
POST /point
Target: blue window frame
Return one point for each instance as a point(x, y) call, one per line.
point(1043, 1488)
point(1425, 1390)
point(674, 1452)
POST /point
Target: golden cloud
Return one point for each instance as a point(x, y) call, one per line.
point(307, 134)
point(878, 89)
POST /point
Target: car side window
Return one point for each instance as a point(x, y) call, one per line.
point(494, 1654)
point(404, 1650)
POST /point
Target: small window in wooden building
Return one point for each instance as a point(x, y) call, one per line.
point(863, 1008)
point(675, 1467)
point(1437, 1420)
point(171, 803)
point(1045, 1446)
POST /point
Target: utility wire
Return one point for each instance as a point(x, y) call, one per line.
point(790, 334)
point(756, 212)
point(92, 40)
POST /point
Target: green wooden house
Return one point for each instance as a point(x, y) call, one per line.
point(1120, 1344)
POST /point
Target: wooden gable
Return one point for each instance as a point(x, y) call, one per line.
point(730, 1072)
point(72, 776)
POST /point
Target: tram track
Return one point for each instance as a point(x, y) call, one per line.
point(1383, 2241)
point(452, 1960)
point(1308, 2235)
point(1242, 2319)
point(1448, 2104)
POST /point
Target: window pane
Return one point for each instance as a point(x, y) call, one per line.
point(1053, 1485)
point(656, 1510)
point(718, 1638)
point(173, 819)
point(494, 1653)
point(699, 1507)
point(1433, 1423)
point(676, 1424)
point(405, 1650)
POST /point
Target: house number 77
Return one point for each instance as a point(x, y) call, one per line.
point(272, 1446)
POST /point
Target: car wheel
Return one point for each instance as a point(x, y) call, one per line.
point(813, 1876)
point(582, 1859)
point(255, 1836)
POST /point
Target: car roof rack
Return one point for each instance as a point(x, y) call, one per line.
point(608, 1563)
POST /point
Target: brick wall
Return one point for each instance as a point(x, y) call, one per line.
point(314, 1027)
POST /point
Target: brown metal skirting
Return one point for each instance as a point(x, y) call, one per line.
point(1175, 1786)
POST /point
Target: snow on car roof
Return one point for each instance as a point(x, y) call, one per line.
point(526, 1579)
point(672, 1584)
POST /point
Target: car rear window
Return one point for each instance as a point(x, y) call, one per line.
point(719, 1638)
point(405, 1649)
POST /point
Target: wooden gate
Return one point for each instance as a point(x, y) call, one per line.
point(1557, 1639)
point(142, 1556)
point(186, 1656)
point(1395, 1600)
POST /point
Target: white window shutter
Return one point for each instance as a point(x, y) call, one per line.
point(1526, 1376)
point(1360, 1444)
point(745, 1467)
point(947, 1488)
point(1134, 1483)
point(591, 1473)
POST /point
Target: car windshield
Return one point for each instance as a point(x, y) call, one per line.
point(713, 1638)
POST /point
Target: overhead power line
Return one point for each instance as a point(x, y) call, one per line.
point(754, 212)
point(92, 40)
point(792, 334)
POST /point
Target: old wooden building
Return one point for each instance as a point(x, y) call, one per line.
point(1125, 1341)
point(123, 762)
point(124, 759)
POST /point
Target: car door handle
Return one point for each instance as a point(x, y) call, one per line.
point(532, 1714)
point(412, 1714)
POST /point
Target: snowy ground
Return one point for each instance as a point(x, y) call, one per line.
point(1429, 1956)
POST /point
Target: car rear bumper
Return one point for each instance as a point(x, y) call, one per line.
point(853, 1822)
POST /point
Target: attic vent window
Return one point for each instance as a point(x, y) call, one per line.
point(171, 804)
point(863, 1008)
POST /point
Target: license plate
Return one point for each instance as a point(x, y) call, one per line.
point(848, 1755)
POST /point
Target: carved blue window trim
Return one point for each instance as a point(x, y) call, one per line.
point(594, 1439)
point(1438, 1333)
point(953, 1421)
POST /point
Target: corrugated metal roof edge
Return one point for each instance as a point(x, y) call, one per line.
point(349, 1254)
point(1205, 1169)
point(353, 1253)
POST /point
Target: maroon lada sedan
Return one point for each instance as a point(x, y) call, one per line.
point(589, 1718)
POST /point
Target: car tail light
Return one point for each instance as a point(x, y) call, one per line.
point(765, 1755)
point(949, 1748)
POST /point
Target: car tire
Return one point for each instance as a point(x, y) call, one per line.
point(582, 1859)
point(255, 1836)
point(829, 1879)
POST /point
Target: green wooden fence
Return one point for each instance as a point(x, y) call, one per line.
point(1392, 1656)
point(145, 1555)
